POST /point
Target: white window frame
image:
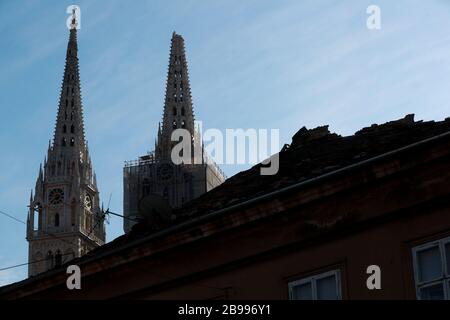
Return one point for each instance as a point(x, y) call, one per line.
point(313, 279)
point(444, 278)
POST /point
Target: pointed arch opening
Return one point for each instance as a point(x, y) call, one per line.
point(58, 258)
point(56, 224)
point(49, 259)
point(40, 215)
point(73, 213)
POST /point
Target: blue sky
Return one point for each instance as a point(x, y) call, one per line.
point(253, 64)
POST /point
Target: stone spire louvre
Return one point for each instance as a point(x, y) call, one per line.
point(69, 129)
point(178, 110)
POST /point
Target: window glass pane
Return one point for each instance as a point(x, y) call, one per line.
point(302, 292)
point(326, 288)
point(429, 264)
point(447, 256)
point(434, 292)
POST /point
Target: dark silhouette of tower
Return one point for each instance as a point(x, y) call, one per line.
point(156, 173)
point(65, 219)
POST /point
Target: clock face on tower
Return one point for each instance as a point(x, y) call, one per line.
point(88, 202)
point(56, 196)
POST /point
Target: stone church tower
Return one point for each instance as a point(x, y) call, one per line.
point(155, 173)
point(65, 219)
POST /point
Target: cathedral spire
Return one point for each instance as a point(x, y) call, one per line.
point(69, 129)
point(178, 110)
point(156, 174)
point(66, 199)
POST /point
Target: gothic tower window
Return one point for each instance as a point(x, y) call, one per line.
point(63, 143)
point(57, 220)
point(72, 142)
point(67, 103)
point(73, 212)
point(49, 260)
point(174, 124)
point(39, 210)
point(64, 128)
point(58, 258)
point(183, 112)
point(72, 129)
point(86, 223)
point(174, 111)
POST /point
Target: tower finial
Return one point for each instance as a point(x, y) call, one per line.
point(74, 23)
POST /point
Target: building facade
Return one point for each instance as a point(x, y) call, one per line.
point(337, 206)
point(65, 220)
point(156, 174)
